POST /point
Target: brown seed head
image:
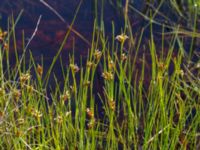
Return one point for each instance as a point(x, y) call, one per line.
point(111, 65)
point(1, 114)
point(123, 57)
point(89, 113)
point(74, 68)
point(16, 94)
point(3, 34)
point(39, 70)
point(5, 46)
point(111, 104)
point(66, 96)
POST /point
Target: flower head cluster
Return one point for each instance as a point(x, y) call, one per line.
point(123, 57)
point(90, 115)
point(36, 113)
point(90, 64)
point(97, 54)
point(111, 65)
point(16, 94)
point(2, 39)
point(108, 75)
point(111, 104)
point(121, 38)
point(74, 68)
point(24, 77)
point(66, 96)
point(3, 34)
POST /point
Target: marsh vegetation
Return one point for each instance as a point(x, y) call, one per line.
point(136, 86)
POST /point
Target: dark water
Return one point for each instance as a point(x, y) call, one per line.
point(51, 29)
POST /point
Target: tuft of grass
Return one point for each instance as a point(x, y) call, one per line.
point(161, 112)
